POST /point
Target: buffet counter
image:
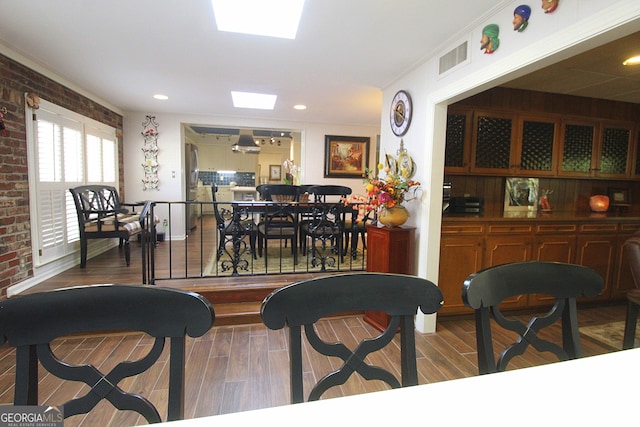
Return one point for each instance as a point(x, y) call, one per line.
point(470, 243)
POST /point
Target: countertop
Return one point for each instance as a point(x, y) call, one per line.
point(243, 189)
point(546, 216)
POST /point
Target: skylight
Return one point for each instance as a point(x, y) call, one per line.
point(258, 101)
point(273, 18)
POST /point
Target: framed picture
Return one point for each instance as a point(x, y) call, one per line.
point(345, 156)
point(619, 197)
point(275, 172)
point(520, 196)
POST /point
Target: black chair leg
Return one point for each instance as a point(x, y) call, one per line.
point(630, 326)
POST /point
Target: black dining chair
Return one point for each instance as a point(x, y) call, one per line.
point(279, 220)
point(485, 290)
point(302, 304)
point(324, 225)
point(233, 232)
point(32, 322)
point(632, 248)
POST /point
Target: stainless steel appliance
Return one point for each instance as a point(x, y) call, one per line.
point(191, 182)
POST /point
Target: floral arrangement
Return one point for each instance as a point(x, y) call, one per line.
point(391, 191)
point(291, 172)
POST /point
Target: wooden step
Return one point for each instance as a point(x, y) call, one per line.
point(237, 313)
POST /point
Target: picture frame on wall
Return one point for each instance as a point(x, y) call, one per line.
point(521, 197)
point(619, 197)
point(275, 173)
point(346, 156)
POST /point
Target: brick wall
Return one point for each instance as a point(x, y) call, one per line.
point(16, 263)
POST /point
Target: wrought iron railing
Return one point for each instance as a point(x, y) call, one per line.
point(244, 239)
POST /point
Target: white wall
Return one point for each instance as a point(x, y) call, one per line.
point(170, 154)
point(576, 26)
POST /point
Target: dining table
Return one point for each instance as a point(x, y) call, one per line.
point(595, 390)
point(241, 211)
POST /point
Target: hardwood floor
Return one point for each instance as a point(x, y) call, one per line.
point(242, 367)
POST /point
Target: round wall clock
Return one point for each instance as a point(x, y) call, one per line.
point(401, 110)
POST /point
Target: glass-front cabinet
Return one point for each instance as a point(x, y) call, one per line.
point(596, 149)
point(536, 148)
point(502, 143)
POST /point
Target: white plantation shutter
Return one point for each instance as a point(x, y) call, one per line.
point(69, 150)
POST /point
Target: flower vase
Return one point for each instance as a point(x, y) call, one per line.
point(393, 217)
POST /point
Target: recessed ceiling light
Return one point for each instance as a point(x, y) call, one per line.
point(161, 97)
point(300, 107)
point(273, 18)
point(632, 61)
point(258, 101)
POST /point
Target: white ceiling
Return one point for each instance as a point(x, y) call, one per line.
point(346, 51)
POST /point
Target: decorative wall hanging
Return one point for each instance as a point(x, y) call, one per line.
point(150, 150)
point(490, 41)
point(345, 156)
point(521, 17)
point(550, 5)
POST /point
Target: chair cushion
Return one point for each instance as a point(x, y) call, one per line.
point(128, 222)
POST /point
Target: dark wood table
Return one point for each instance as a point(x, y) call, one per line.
point(241, 211)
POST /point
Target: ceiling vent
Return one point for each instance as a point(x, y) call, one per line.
point(245, 144)
point(453, 58)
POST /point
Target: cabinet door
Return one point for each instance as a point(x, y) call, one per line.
point(535, 149)
point(614, 152)
point(460, 256)
point(458, 142)
point(553, 248)
point(577, 153)
point(622, 279)
point(598, 251)
point(492, 147)
point(508, 249)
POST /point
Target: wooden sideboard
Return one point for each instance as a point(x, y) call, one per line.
point(471, 244)
point(389, 250)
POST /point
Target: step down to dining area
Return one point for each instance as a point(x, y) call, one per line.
point(237, 301)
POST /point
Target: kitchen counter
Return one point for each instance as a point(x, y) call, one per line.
point(244, 193)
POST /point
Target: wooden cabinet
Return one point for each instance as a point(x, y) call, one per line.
point(503, 143)
point(596, 149)
point(507, 243)
point(596, 248)
point(622, 279)
point(615, 150)
point(536, 148)
point(461, 254)
point(389, 250)
point(458, 141)
point(492, 147)
point(469, 246)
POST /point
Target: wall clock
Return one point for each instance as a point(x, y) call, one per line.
point(401, 110)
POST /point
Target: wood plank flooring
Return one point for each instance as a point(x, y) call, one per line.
point(242, 367)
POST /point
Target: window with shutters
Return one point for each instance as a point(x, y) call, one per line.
point(68, 150)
